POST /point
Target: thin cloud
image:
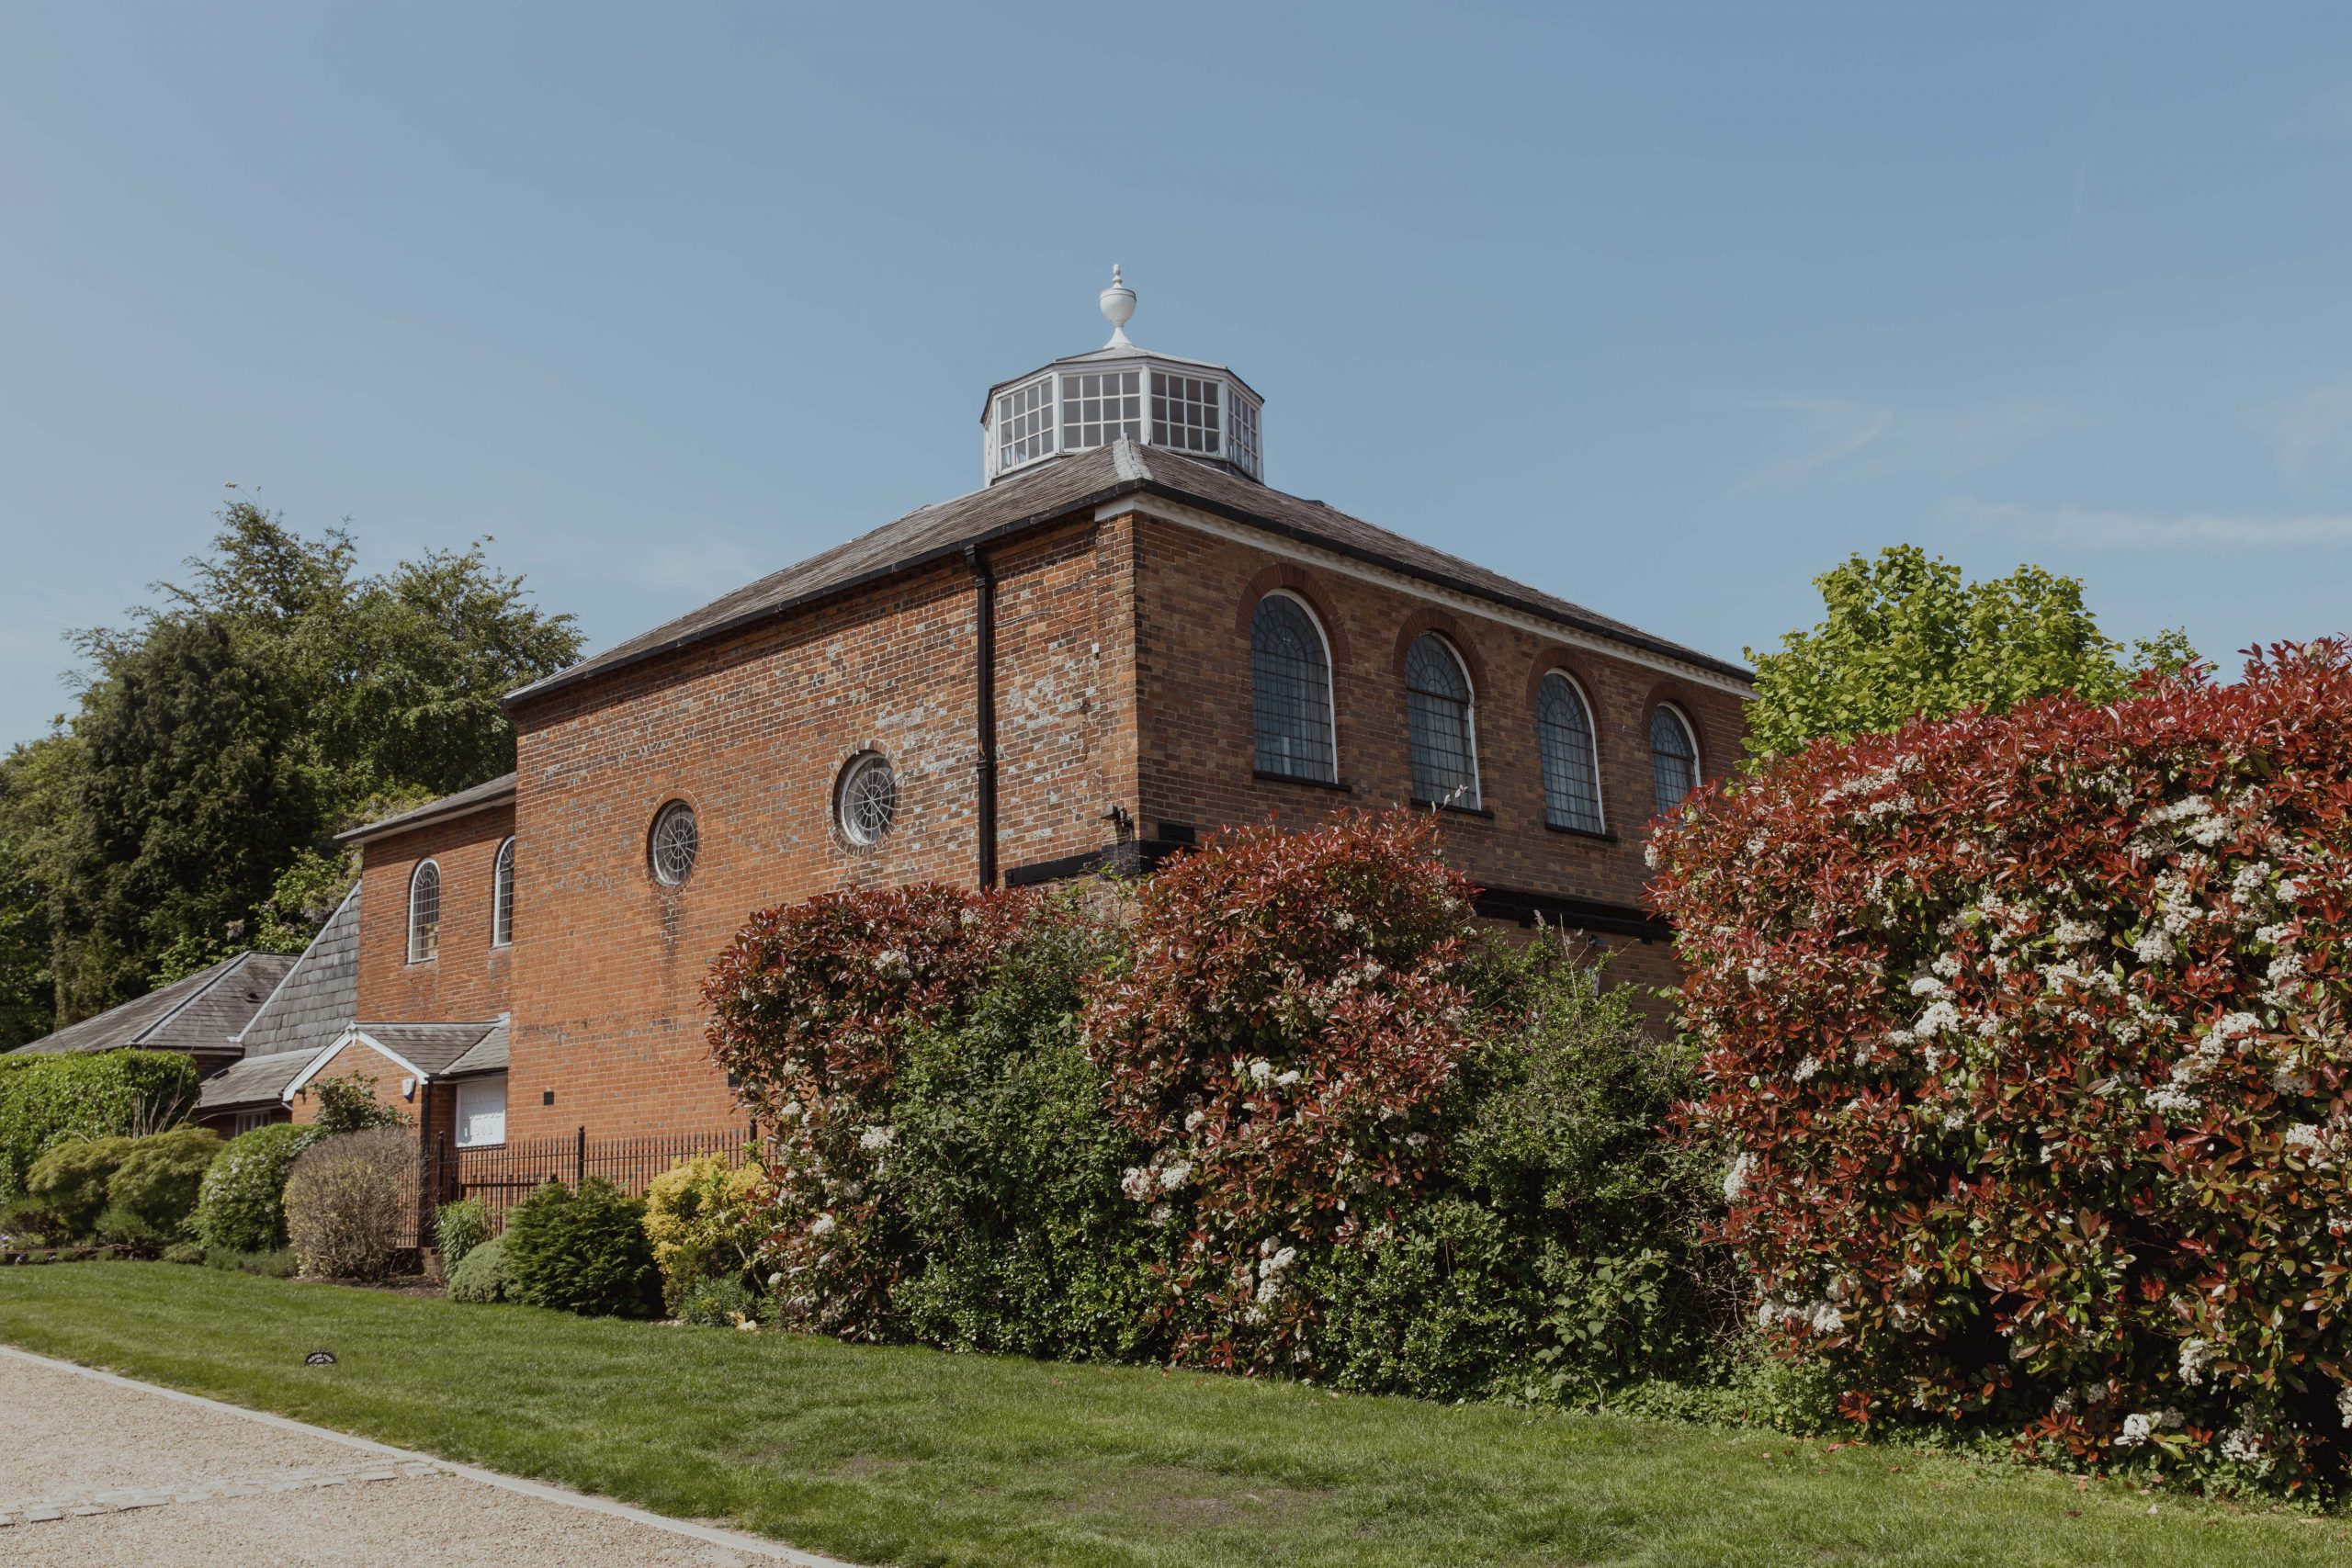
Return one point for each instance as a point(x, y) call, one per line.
point(2090, 528)
point(2314, 431)
point(1836, 429)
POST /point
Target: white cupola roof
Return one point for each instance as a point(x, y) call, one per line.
point(1091, 400)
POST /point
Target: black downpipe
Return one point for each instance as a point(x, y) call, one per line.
point(984, 615)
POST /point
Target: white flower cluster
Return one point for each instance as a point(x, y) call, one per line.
point(1735, 1178)
point(2196, 1355)
point(1145, 1182)
point(1821, 1317)
point(874, 1140)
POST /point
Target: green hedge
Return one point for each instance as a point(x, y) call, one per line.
point(44, 1100)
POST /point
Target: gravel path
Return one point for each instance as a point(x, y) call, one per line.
point(100, 1471)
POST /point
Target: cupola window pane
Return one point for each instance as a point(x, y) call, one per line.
point(1245, 433)
point(1674, 757)
point(1024, 424)
point(1436, 715)
point(1564, 735)
point(1290, 677)
point(1100, 406)
point(1184, 413)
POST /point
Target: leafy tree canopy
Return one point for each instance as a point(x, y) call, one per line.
point(224, 734)
point(1907, 635)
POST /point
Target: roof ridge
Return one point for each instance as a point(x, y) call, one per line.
point(218, 972)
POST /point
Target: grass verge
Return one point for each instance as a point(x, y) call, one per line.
point(910, 1456)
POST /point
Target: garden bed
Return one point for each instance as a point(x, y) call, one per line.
point(901, 1455)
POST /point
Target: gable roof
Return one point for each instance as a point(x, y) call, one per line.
point(257, 1080)
point(429, 1049)
point(320, 995)
point(1077, 483)
point(201, 1013)
point(473, 797)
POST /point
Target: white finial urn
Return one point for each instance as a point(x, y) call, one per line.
point(1118, 303)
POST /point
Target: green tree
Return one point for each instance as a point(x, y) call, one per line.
point(224, 734)
point(1907, 635)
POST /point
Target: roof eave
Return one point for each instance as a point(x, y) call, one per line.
point(425, 816)
point(565, 678)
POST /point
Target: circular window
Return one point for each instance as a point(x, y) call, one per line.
point(867, 799)
point(674, 842)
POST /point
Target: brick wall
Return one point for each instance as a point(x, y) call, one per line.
point(468, 979)
point(1122, 681)
point(753, 730)
point(1195, 596)
point(430, 1109)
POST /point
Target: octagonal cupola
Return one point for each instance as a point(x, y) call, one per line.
point(1087, 401)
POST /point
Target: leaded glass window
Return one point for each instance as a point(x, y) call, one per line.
point(424, 912)
point(675, 845)
point(1564, 735)
point(1290, 682)
point(502, 897)
point(1184, 413)
point(867, 799)
point(1100, 406)
point(1674, 757)
point(1024, 424)
point(1437, 716)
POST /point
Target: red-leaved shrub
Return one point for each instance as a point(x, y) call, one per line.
point(808, 1009)
point(2026, 1045)
point(1278, 1038)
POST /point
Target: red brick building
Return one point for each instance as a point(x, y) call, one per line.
point(1124, 640)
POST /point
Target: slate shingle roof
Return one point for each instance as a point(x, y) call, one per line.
point(201, 1013)
point(434, 1047)
point(1079, 483)
point(488, 1056)
point(318, 997)
point(257, 1080)
point(474, 798)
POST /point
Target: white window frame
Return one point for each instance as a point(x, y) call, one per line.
point(439, 882)
point(476, 1089)
point(1592, 726)
point(502, 896)
point(1057, 433)
point(249, 1121)
point(1330, 679)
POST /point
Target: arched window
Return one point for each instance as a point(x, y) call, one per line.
point(1437, 719)
point(1674, 757)
point(502, 897)
point(1564, 737)
point(673, 845)
point(1289, 684)
point(424, 912)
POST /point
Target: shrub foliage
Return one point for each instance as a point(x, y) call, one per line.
point(153, 1192)
point(482, 1276)
point(706, 1220)
point(46, 1099)
point(2025, 1054)
point(582, 1251)
point(345, 1198)
point(1282, 1109)
point(243, 1205)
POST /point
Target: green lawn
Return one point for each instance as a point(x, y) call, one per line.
point(907, 1456)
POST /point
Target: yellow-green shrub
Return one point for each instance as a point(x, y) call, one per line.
point(704, 1220)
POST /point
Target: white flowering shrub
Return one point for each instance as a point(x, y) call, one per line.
point(2026, 1055)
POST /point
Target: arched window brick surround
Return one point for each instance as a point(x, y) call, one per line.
point(1440, 722)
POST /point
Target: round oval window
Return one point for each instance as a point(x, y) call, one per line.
point(674, 843)
point(867, 799)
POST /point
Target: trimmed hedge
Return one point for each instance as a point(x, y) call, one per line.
point(481, 1276)
point(44, 1100)
point(583, 1251)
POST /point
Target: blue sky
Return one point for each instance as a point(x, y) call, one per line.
point(1665, 309)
